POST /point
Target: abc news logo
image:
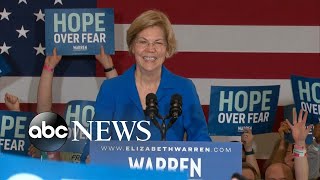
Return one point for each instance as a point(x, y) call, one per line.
point(48, 131)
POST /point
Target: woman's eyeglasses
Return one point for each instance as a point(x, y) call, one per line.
point(143, 43)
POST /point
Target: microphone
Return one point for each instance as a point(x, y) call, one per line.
point(152, 106)
point(152, 109)
point(176, 106)
point(175, 109)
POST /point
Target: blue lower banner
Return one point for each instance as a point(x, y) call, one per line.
point(200, 160)
point(18, 167)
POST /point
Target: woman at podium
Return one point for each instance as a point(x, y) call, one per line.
point(151, 40)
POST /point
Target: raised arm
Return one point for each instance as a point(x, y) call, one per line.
point(279, 155)
point(299, 133)
point(106, 61)
point(44, 100)
point(247, 140)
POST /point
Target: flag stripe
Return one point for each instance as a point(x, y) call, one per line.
point(209, 38)
point(232, 65)
point(250, 12)
point(66, 89)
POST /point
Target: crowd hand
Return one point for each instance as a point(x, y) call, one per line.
point(104, 59)
point(247, 139)
point(34, 152)
point(12, 102)
point(53, 60)
point(298, 128)
point(284, 128)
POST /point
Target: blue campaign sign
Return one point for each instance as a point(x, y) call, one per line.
point(82, 112)
point(306, 95)
point(14, 137)
point(288, 114)
point(14, 167)
point(235, 108)
point(200, 160)
point(79, 31)
point(4, 67)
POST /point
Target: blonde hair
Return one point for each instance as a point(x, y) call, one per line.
point(152, 18)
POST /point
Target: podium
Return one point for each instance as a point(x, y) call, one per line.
point(199, 160)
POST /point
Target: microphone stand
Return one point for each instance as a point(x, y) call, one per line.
point(163, 127)
point(163, 130)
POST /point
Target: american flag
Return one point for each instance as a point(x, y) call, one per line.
point(219, 43)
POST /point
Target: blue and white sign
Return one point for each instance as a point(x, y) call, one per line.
point(79, 31)
point(200, 160)
point(235, 108)
point(82, 112)
point(4, 67)
point(306, 95)
point(14, 137)
point(17, 168)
